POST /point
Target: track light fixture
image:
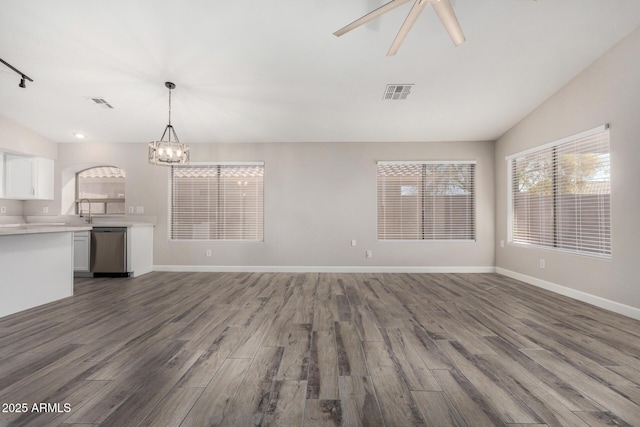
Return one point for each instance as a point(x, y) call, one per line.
point(23, 76)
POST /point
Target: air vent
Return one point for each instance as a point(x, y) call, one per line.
point(397, 91)
point(101, 102)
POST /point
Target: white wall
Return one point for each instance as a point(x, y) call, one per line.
point(318, 196)
point(18, 139)
point(606, 92)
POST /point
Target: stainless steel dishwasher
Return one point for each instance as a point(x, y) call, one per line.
point(109, 251)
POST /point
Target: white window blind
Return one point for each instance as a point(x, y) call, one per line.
point(217, 202)
point(560, 194)
point(426, 200)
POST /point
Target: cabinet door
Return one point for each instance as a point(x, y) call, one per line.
point(28, 178)
point(20, 177)
point(81, 251)
point(44, 182)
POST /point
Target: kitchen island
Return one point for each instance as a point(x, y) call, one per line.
point(36, 265)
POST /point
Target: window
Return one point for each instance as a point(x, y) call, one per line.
point(426, 200)
point(103, 187)
point(218, 201)
point(560, 194)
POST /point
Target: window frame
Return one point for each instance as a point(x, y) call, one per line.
point(208, 164)
point(553, 146)
point(423, 238)
point(98, 201)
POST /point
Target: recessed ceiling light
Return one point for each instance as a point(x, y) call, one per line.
point(80, 135)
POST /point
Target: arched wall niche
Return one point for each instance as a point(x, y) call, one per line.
point(68, 184)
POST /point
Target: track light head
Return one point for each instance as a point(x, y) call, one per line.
point(22, 75)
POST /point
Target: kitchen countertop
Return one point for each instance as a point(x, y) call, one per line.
point(14, 229)
point(121, 224)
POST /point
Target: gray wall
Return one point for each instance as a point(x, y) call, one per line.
point(606, 92)
point(318, 196)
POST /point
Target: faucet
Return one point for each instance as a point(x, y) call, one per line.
point(88, 220)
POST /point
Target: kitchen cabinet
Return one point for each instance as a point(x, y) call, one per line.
point(28, 178)
point(81, 251)
point(140, 249)
point(36, 267)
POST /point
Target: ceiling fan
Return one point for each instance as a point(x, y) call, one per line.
point(443, 10)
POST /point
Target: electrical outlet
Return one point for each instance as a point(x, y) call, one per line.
point(369, 254)
point(45, 209)
point(3, 209)
point(502, 243)
point(208, 252)
point(353, 242)
point(140, 209)
point(541, 262)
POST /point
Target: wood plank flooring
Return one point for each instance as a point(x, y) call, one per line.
point(281, 349)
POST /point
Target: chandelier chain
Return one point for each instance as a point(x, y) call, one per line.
point(169, 107)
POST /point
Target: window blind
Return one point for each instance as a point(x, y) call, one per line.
point(217, 202)
point(426, 201)
point(560, 194)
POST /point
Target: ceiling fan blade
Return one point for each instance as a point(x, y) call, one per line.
point(370, 16)
point(417, 8)
point(448, 17)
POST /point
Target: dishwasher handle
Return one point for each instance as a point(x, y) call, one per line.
point(109, 229)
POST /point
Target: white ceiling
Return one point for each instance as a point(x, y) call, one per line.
point(271, 70)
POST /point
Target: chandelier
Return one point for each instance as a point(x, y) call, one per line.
point(169, 152)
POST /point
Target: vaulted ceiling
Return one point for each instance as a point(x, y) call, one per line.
point(272, 70)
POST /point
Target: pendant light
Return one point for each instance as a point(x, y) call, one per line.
point(169, 152)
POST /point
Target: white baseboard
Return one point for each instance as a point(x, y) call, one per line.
point(616, 307)
point(322, 269)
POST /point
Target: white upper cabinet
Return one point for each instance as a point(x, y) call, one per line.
point(28, 178)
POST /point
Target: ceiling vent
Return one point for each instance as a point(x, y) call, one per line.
point(397, 91)
point(101, 102)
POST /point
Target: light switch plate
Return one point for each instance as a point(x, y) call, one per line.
point(3, 209)
point(140, 209)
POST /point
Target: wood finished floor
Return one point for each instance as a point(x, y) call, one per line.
point(280, 349)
